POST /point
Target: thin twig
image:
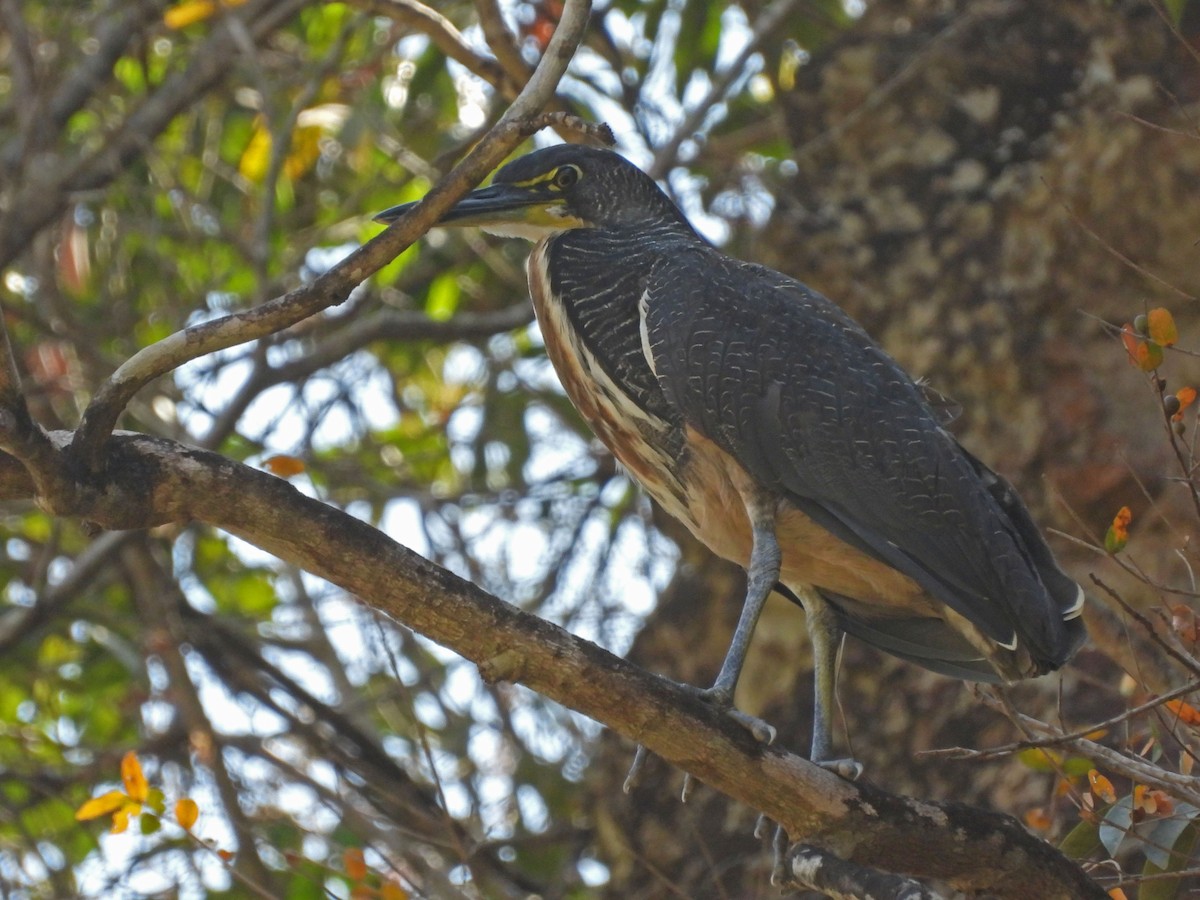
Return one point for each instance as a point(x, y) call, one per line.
point(767, 25)
point(334, 285)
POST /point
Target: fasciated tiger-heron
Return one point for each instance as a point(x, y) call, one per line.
point(759, 414)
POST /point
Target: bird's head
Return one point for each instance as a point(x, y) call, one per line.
point(557, 189)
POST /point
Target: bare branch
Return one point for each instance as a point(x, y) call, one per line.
point(768, 23)
point(501, 40)
point(150, 481)
point(813, 869)
point(333, 286)
point(448, 39)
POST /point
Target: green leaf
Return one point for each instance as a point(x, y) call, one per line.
point(1081, 842)
point(1168, 888)
point(1077, 765)
point(441, 302)
point(1039, 760)
point(149, 823)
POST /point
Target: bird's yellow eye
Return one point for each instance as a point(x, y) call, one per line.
point(566, 176)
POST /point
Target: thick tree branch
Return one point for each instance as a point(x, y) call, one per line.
point(151, 481)
point(813, 869)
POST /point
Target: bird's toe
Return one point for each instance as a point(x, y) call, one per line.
point(850, 769)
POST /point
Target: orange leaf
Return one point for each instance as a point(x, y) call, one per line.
point(284, 466)
point(1117, 535)
point(1148, 356)
point(1161, 327)
point(356, 866)
point(1163, 805)
point(1183, 622)
point(1151, 802)
point(392, 891)
point(1186, 714)
point(135, 782)
point(100, 806)
point(1063, 787)
point(1130, 339)
point(186, 813)
point(1117, 894)
point(226, 855)
point(1186, 397)
point(1101, 787)
point(1036, 818)
point(1139, 798)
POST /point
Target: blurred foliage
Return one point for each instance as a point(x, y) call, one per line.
point(328, 752)
point(304, 728)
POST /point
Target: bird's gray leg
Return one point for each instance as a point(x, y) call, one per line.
point(761, 577)
point(826, 637)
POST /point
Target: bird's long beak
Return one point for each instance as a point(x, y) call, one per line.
point(493, 205)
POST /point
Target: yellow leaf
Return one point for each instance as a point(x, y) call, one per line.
point(122, 817)
point(256, 158)
point(100, 806)
point(1101, 787)
point(1160, 325)
point(392, 891)
point(136, 787)
point(181, 15)
point(186, 813)
point(189, 12)
point(305, 151)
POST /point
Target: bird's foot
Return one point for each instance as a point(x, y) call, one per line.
point(850, 769)
point(760, 729)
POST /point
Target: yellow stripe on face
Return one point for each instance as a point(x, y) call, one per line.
point(545, 177)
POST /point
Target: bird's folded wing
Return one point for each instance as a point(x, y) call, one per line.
point(811, 407)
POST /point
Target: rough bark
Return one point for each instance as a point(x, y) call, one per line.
point(965, 172)
point(145, 482)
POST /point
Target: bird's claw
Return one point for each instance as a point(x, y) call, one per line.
point(779, 845)
point(762, 730)
point(761, 824)
point(635, 769)
point(689, 783)
point(850, 769)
